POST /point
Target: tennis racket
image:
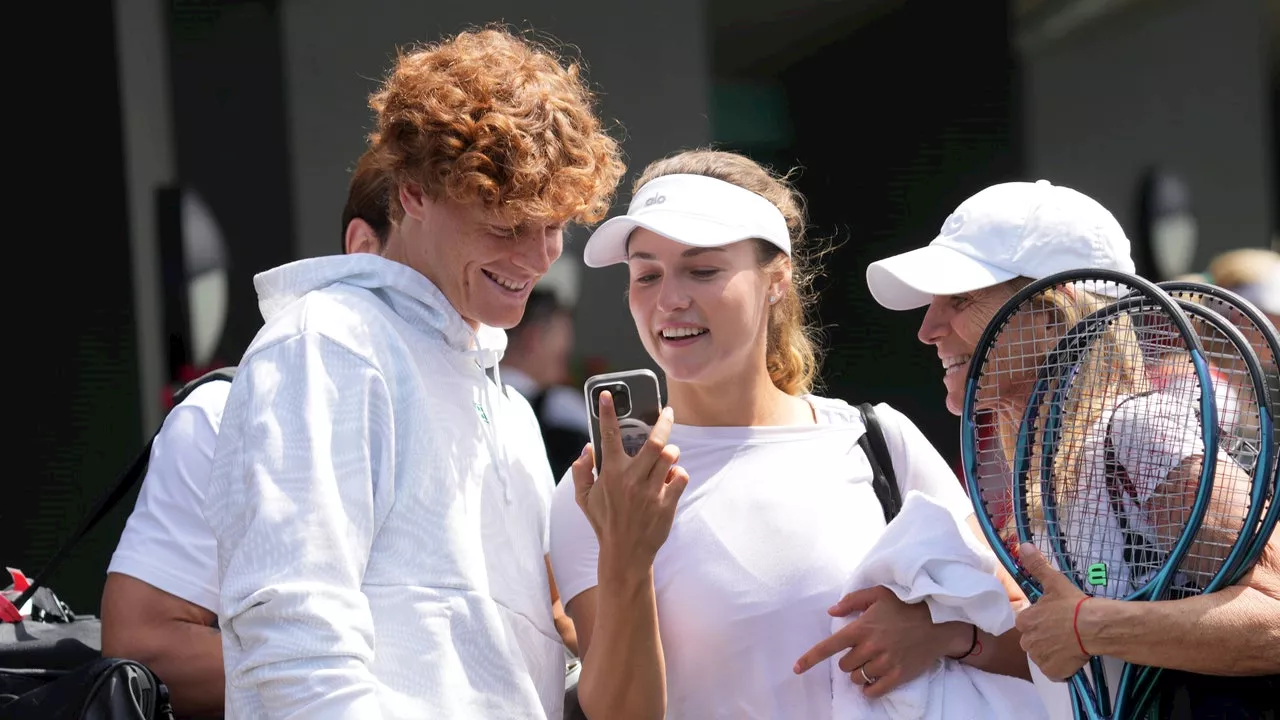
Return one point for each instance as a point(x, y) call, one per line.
point(1246, 374)
point(1242, 475)
point(1051, 373)
point(1246, 462)
point(1265, 342)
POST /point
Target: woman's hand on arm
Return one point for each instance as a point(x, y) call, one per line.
point(892, 642)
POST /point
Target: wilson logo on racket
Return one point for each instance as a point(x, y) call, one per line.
point(1098, 574)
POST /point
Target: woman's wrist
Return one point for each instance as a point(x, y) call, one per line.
point(962, 640)
point(624, 569)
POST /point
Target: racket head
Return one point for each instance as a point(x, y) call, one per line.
point(1124, 437)
point(984, 448)
point(1011, 346)
point(1009, 370)
point(1245, 403)
point(1246, 458)
point(1010, 380)
point(1265, 341)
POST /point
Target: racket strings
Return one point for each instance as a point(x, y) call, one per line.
point(1008, 371)
point(1259, 342)
point(1239, 402)
point(1239, 432)
point(1122, 430)
point(1086, 491)
point(1085, 430)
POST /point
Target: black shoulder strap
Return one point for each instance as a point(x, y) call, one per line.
point(118, 490)
point(883, 481)
point(223, 373)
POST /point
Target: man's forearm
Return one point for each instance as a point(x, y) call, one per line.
point(187, 657)
point(1231, 632)
point(568, 633)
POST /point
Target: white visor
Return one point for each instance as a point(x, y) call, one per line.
point(693, 210)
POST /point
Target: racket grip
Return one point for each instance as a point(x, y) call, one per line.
point(1083, 699)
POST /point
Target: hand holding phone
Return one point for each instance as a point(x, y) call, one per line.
point(630, 499)
point(637, 403)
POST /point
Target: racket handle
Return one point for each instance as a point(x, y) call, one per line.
point(1080, 698)
point(1143, 707)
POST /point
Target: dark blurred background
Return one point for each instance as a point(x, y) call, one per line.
point(224, 132)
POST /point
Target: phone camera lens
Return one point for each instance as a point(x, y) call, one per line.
point(621, 399)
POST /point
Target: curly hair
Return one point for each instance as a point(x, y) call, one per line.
point(792, 353)
point(492, 116)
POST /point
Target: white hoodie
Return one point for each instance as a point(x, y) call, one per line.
point(381, 509)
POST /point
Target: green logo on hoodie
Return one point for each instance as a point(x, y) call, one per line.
point(480, 410)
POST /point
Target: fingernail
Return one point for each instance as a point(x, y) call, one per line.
point(667, 412)
point(834, 608)
point(796, 669)
point(606, 399)
point(584, 450)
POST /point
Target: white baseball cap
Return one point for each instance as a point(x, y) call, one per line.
point(693, 210)
point(1005, 231)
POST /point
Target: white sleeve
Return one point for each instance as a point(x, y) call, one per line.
point(166, 543)
point(918, 465)
point(575, 550)
point(301, 483)
point(1152, 434)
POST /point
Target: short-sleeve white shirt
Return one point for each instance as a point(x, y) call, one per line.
point(766, 535)
point(166, 542)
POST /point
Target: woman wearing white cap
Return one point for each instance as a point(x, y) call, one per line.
point(993, 244)
point(697, 605)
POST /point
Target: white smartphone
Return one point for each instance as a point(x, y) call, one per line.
point(637, 400)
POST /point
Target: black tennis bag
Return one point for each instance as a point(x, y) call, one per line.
point(51, 664)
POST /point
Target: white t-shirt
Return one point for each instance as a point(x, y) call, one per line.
point(166, 542)
point(772, 524)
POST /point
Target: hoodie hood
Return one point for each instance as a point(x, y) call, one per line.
point(409, 293)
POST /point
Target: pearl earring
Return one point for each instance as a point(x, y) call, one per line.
point(773, 299)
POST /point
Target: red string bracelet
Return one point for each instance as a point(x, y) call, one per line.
point(1076, 626)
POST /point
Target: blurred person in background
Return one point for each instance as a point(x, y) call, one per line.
point(1254, 275)
point(536, 364)
point(1251, 273)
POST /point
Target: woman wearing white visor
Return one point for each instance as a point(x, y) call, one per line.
point(993, 244)
point(697, 605)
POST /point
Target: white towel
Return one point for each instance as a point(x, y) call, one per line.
point(927, 554)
